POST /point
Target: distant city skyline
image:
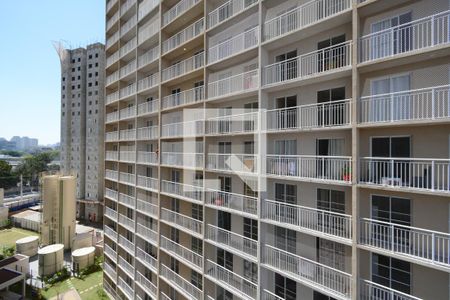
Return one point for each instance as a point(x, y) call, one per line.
point(30, 104)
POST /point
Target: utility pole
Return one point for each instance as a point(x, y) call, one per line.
point(21, 188)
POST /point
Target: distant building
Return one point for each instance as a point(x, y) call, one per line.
point(82, 94)
point(24, 143)
point(7, 145)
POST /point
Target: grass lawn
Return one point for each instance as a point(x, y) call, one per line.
point(82, 286)
point(8, 237)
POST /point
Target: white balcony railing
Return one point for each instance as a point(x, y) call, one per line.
point(112, 78)
point(110, 232)
point(414, 105)
point(148, 82)
point(178, 9)
point(234, 45)
point(111, 175)
point(111, 194)
point(128, 156)
point(233, 281)
point(404, 38)
point(315, 167)
point(303, 16)
point(112, 58)
point(183, 67)
point(320, 115)
point(184, 35)
point(148, 57)
point(369, 290)
point(127, 178)
point(183, 129)
point(128, 112)
point(409, 173)
point(147, 182)
point(128, 135)
point(150, 261)
point(228, 10)
point(112, 39)
point(244, 245)
point(126, 6)
point(182, 159)
point(128, 68)
point(246, 163)
point(127, 200)
point(147, 208)
point(147, 157)
point(304, 270)
point(126, 244)
point(192, 192)
point(111, 213)
point(148, 30)
point(231, 201)
point(308, 219)
point(111, 21)
point(232, 124)
point(127, 91)
point(112, 136)
point(113, 97)
point(126, 222)
point(147, 233)
point(108, 269)
point(146, 284)
point(239, 83)
point(148, 107)
point(148, 133)
point(426, 245)
point(126, 266)
point(112, 117)
point(110, 252)
point(146, 7)
point(184, 97)
point(267, 295)
point(182, 252)
point(182, 221)
point(110, 4)
point(330, 59)
point(112, 155)
point(128, 47)
point(182, 284)
point(125, 28)
point(126, 288)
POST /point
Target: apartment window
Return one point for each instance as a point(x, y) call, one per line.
point(73, 69)
point(391, 272)
point(286, 193)
point(79, 59)
point(331, 253)
point(250, 272)
point(225, 259)
point(90, 75)
point(224, 147)
point(197, 212)
point(225, 184)
point(221, 293)
point(79, 77)
point(288, 69)
point(251, 228)
point(96, 64)
point(285, 287)
point(73, 78)
point(249, 147)
point(174, 265)
point(286, 147)
point(90, 56)
point(196, 279)
point(327, 59)
point(285, 239)
point(331, 200)
point(96, 55)
point(174, 235)
point(249, 192)
point(73, 60)
point(175, 204)
point(90, 84)
point(391, 209)
point(197, 245)
point(329, 113)
point(224, 220)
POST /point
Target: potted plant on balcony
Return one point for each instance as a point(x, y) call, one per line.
point(347, 173)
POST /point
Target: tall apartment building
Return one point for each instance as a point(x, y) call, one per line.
point(338, 113)
point(82, 132)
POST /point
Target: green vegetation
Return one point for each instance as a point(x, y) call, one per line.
point(8, 237)
point(97, 266)
point(12, 153)
point(7, 178)
point(32, 165)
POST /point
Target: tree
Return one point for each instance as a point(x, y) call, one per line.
point(7, 178)
point(12, 153)
point(32, 165)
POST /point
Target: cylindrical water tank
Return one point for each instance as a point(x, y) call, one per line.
point(27, 245)
point(82, 258)
point(51, 259)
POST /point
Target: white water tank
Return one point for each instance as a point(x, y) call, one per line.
point(27, 245)
point(82, 258)
point(51, 259)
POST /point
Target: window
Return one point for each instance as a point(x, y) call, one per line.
point(332, 57)
point(286, 193)
point(391, 272)
point(196, 279)
point(197, 245)
point(285, 287)
point(285, 239)
point(197, 212)
point(329, 113)
point(288, 69)
point(331, 200)
point(250, 272)
point(90, 56)
point(391, 209)
point(331, 253)
point(225, 259)
point(251, 228)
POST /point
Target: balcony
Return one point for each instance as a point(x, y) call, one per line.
point(125, 28)
point(110, 4)
point(327, 280)
point(183, 286)
point(267, 295)
point(128, 178)
point(126, 266)
point(112, 39)
point(111, 21)
point(192, 193)
point(148, 82)
point(113, 97)
point(412, 37)
point(126, 244)
point(148, 260)
point(126, 222)
point(182, 222)
point(127, 200)
point(232, 124)
point(112, 78)
point(112, 59)
point(110, 271)
point(146, 285)
point(182, 253)
point(128, 135)
point(112, 136)
point(112, 194)
point(231, 281)
point(183, 36)
point(304, 16)
point(184, 67)
point(420, 105)
point(317, 222)
point(177, 10)
point(147, 31)
point(149, 234)
point(148, 57)
point(111, 233)
point(315, 168)
point(148, 107)
point(228, 10)
point(233, 242)
point(112, 117)
point(240, 163)
point(182, 159)
point(369, 290)
point(233, 46)
point(127, 91)
point(310, 116)
point(125, 288)
point(148, 133)
point(128, 69)
point(183, 129)
point(420, 174)
point(111, 175)
point(128, 156)
point(428, 247)
point(111, 213)
point(126, 6)
point(231, 202)
point(148, 183)
point(316, 63)
point(237, 84)
point(147, 158)
point(145, 7)
point(110, 252)
point(147, 208)
point(128, 47)
point(183, 98)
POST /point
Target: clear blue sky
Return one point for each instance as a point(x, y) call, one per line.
point(29, 65)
